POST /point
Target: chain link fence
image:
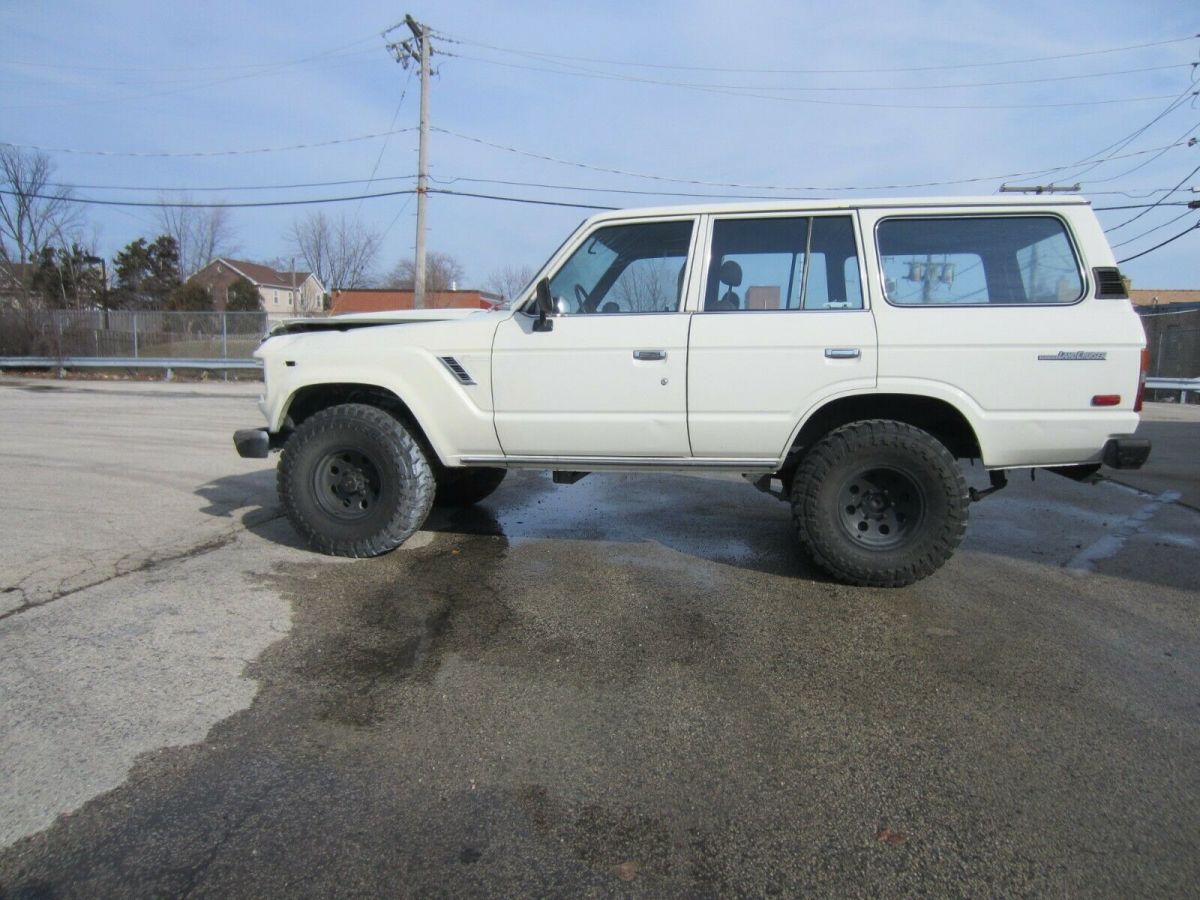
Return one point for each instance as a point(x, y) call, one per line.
point(144, 334)
point(1174, 342)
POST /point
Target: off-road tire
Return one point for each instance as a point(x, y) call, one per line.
point(354, 481)
point(879, 503)
point(465, 487)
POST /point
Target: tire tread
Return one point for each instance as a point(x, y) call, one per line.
point(814, 531)
point(417, 492)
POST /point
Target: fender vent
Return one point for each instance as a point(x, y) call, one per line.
point(456, 369)
point(1109, 283)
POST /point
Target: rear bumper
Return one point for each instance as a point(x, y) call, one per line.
point(252, 443)
point(1126, 453)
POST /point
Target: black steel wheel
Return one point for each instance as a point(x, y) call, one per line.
point(354, 481)
point(879, 503)
point(882, 508)
point(346, 484)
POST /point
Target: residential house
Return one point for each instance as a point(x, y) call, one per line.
point(15, 278)
point(281, 295)
point(359, 300)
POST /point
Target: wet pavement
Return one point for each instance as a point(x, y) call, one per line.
point(635, 685)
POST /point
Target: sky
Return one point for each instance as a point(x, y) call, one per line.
point(654, 99)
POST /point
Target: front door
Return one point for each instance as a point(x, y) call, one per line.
point(609, 379)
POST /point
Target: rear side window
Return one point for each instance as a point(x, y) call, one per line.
point(978, 260)
point(783, 263)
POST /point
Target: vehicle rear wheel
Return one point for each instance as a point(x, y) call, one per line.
point(879, 503)
point(464, 487)
point(354, 481)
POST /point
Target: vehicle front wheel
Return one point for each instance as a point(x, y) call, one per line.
point(465, 487)
point(879, 503)
point(354, 481)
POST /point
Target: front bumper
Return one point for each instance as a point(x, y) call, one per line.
point(1126, 452)
point(252, 443)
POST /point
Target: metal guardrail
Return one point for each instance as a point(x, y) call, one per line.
point(1174, 384)
point(124, 362)
point(1185, 386)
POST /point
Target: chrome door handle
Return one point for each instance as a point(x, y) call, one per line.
point(650, 354)
point(842, 353)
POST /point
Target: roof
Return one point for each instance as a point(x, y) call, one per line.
point(362, 300)
point(1007, 200)
point(263, 274)
point(1163, 296)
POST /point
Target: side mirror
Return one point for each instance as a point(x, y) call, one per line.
point(545, 306)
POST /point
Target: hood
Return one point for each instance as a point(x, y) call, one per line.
point(365, 320)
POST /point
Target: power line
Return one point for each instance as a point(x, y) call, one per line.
point(184, 189)
point(76, 67)
point(131, 98)
point(93, 201)
point(744, 93)
point(779, 71)
point(603, 190)
point(187, 204)
point(1146, 162)
point(1183, 214)
point(349, 140)
point(574, 69)
point(395, 116)
point(1122, 143)
point(1133, 193)
point(762, 187)
point(520, 199)
point(1158, 203)
point(1139, 206)
point(1157, 246)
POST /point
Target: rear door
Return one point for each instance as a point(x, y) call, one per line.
point(783, 325)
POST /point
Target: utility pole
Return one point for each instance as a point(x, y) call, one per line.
point(418, 49)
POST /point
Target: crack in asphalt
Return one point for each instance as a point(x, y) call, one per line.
point(200, 549)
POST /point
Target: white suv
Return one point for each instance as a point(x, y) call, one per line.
point(849, 351)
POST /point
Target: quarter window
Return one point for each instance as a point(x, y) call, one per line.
point(978, 260)
point(788, 263)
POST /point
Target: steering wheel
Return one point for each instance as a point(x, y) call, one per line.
point(581, 297)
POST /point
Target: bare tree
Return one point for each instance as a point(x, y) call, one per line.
point(340, 251)
point(442, 273)
point(647, 285)
point(34, 212)
point(202, 234)
point(508, 281)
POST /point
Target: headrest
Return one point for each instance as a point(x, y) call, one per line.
point(731, 273)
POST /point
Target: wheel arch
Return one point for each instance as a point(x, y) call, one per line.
point(312, 398)
point(937, 416)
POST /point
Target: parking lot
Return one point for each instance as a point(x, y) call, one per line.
point(634, 684)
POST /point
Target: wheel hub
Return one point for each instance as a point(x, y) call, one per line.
point(880, 508)
point(351, 483)
point(346, 484)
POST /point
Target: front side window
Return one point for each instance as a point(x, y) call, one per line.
point(789, 263)
point(978, 260)
point(625, 269)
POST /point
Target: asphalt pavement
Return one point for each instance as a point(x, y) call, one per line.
point(631, 685)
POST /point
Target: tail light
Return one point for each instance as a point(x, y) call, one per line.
point(1141, 391)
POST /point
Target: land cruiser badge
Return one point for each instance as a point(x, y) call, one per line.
point(1073, 355)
